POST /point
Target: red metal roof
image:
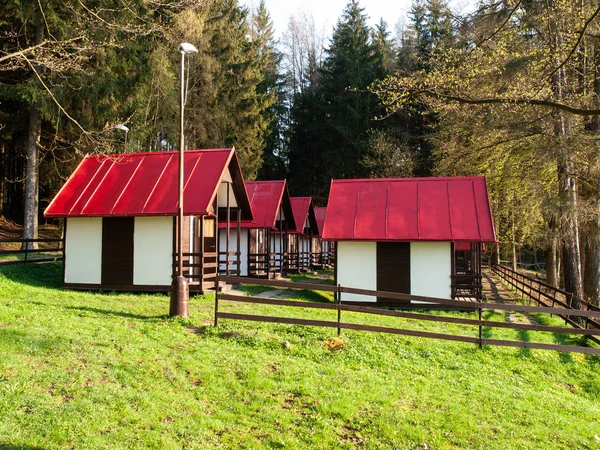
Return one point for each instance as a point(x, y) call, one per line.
point(139, 184)
point(302, 209)
point(410, 209)
point(265, 199)
point(320, 212)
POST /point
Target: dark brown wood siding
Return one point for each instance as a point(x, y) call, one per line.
point(393, 270)
point(117, 251)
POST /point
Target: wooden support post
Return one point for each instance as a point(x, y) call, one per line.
point(239, 243)
point(480, 327)
point(228, 225)
point(339, 309)
point(201, 251)
point(217, 298)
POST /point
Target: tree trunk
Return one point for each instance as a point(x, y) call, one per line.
point(30, 222)
point(566, 181)
point(592, 262)
point(591, 277)
point(2, 177)
point(551, 264)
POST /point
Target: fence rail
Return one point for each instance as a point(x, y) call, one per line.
point(546, 295)
point(478, 307)
point(27, 251)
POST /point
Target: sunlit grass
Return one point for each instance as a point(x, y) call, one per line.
point(95, 371)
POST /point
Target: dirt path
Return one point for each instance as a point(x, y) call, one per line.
point(497, 292)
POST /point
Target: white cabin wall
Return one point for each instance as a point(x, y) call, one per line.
point(153, 251)
point(357, 268)
point(430, 269)
point(233, 248)
point(83, 250)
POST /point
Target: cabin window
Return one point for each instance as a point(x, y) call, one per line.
point(209, 227)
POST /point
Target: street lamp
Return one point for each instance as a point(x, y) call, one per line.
point(126, 130)
point(180, 292)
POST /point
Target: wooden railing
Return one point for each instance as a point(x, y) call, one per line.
point(475, 307)
point(545, 294)
point(192, 261)
point(26, 254)
point(230, 263)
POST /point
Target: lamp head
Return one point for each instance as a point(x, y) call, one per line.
point(122, 127)
point(186, 47)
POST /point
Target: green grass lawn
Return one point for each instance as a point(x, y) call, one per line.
point(94, 371)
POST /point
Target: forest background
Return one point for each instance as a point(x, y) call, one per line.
point(510, 91)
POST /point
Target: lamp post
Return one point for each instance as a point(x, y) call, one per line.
point(180, 292)
point(126, 130)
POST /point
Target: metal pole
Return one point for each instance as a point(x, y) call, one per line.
point(180, 289)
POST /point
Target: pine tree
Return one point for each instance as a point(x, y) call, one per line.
point(272, 85)
point(349, 68)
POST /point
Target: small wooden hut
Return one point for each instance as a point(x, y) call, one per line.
point(300, 249)
point(400, 235)
point(326, 254)
point(262, 241)
point(120, 216)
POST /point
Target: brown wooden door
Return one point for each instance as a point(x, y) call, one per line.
point(117, 251)
point(393, 270)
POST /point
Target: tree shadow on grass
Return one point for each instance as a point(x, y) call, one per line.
point(106, 312)
point(562, 338)
point(6, 446)
point(26, 342)
point(48, 275)
point(310, 296)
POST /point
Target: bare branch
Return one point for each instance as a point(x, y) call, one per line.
point(504, 101)
point(579, 39)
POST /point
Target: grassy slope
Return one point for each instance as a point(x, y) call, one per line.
point(85, 370)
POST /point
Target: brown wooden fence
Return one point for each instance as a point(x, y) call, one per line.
point(50, 250)
point(475, 307)
point(544, 294)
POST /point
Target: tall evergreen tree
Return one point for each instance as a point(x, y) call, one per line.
point(273, 84)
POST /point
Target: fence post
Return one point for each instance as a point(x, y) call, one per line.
point(480, 327)
point(26, 249)
point(217, 297)
point(587, 319)
point(339, 309)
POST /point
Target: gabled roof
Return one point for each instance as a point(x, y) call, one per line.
point(266, 199)
point(320, 212)
point(303, 209)
point(410, 209)
point(146, 184)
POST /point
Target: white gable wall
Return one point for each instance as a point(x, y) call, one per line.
point(83, 250)
point(153, 251)
point(357, 268)
point(430, 269)
point(222, 192)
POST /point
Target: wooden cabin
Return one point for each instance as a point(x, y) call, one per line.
point(301, 245)
point(120, 216)
point(263, 240)
point(326, 253)
point(401, 235)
